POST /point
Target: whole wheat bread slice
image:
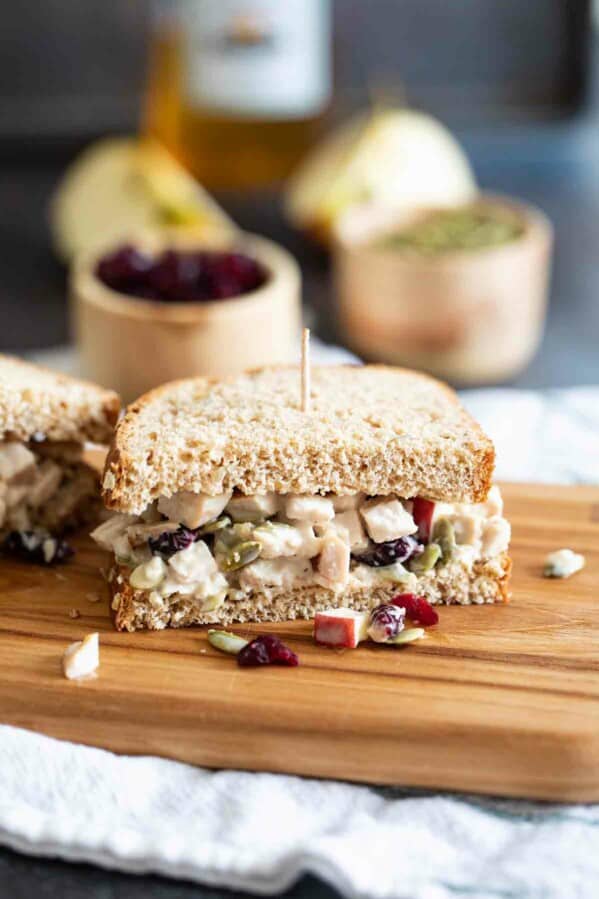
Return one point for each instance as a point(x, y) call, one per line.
point(35, 400)
point(134, 610)
point(371, 428)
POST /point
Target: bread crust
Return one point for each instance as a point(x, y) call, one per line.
point(209, 436)
point(132, 610)
point(34, 399)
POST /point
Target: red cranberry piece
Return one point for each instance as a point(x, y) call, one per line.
point(386, 621)
point(170, 542)
point(417, 608)
point(266, 650)
point(422, 514)
point(125, 269)
point(36, 546)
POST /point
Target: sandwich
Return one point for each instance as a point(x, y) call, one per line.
point(46, 487)
point(233, 504)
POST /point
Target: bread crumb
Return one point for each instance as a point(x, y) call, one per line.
point(74, 613)
point(93, 597)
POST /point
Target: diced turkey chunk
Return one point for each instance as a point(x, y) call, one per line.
point(15, 460)
point(313, 509)
point(196, 563)
point(253, 508)
point(140, 533)
point(193, 509)
point(82, 658)
point(274, 573)
point(286, 540)
point(347, 502)
point(496, 537)
point(47, 482)
point(349, 526)
point(493, 505)
point(333, 563)
point(107, 533)
point(386, 519)
point(467, 528)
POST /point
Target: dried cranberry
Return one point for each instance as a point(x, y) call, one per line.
point(170, 542)
point(38, 547)
point(125, 269)
point(386, 621)
point(387, 553)
point(176, 276)
point(266, 650)
point(417, 608)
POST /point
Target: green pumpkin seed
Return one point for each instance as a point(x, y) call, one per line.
point(408, 636)
point(426, 560)
point(213, 602)
point(226, 641)
point(217, 525)
point(241, 554)
point(445, 536)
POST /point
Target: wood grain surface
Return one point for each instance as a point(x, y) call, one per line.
point(496, 699)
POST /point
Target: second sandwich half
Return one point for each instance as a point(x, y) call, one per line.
point(235, 505)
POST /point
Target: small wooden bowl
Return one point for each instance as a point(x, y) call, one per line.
point(133, 345)
point(471, 317)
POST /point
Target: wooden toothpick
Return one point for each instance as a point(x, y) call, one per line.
point(306, 370)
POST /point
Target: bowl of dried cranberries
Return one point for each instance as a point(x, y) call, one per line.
point(162, 306)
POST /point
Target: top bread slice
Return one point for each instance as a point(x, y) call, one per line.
point(371, 428)
point(35, 400)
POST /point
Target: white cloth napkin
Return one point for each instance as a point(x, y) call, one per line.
point(260, 832)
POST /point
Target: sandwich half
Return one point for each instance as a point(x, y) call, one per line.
point(235, 505)
point(45, 420)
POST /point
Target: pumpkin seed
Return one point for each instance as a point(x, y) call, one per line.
point(445, 536)
point(213, 602)
point(226, 641)
point(408, 636)
point(217, 525)
point(241, 554)
point(427, 559)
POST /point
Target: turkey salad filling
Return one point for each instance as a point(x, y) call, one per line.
point(43, 483)
point(214, 548)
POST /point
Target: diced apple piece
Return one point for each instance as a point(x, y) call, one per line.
point(313, 509)
point(254, 507)
point(333, 563)
point(193, 509)
point(386, 519)
point(422, 512)
point(349, 525)
point(340, 627)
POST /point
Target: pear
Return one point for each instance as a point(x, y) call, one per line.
point(120, 185)
point(399, 160)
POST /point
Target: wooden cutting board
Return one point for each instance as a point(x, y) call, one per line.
point(496, 699)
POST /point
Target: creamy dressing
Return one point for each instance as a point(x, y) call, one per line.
point(244, 544)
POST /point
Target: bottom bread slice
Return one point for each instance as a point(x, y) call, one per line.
point(486, 582)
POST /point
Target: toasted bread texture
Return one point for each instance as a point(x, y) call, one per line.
point(35, 400)
point(134, 610)
point(370, 428)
